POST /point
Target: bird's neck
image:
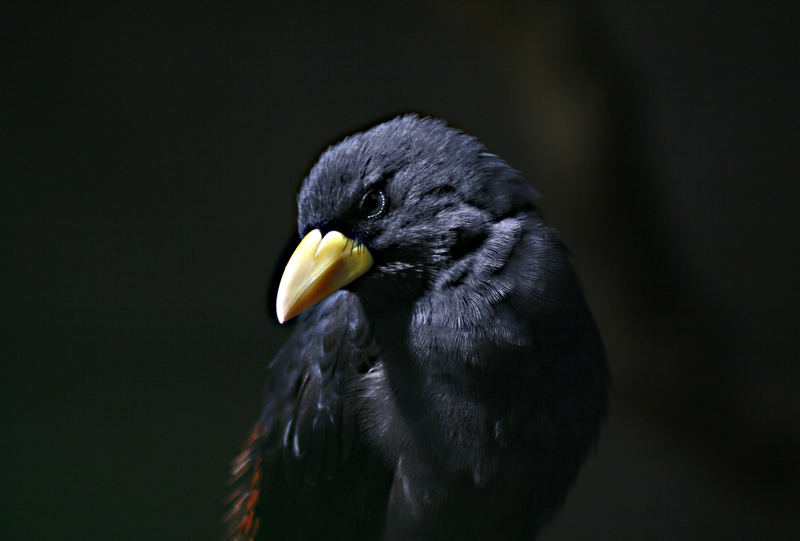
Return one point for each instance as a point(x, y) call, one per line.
point(389, 323)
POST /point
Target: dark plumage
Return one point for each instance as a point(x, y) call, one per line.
point(455, 388)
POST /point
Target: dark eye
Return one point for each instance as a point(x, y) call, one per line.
point(373, 203)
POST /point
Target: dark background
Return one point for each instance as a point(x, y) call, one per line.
point(150, 161)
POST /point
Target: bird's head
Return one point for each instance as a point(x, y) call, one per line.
point(388, 210)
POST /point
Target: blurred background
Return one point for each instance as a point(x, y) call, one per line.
point(150, 160)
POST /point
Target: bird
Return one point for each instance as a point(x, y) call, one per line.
point(445, 378)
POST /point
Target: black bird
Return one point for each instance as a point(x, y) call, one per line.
point(445, 379)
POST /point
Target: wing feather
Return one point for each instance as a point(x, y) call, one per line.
point(306, 435)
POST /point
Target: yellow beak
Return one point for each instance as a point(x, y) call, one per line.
point(319, 267)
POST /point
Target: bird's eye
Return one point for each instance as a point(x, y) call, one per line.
point(373, 204)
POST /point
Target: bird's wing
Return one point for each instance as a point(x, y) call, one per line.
point(306, 431)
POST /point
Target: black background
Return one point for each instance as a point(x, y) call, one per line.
point(150, 160)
